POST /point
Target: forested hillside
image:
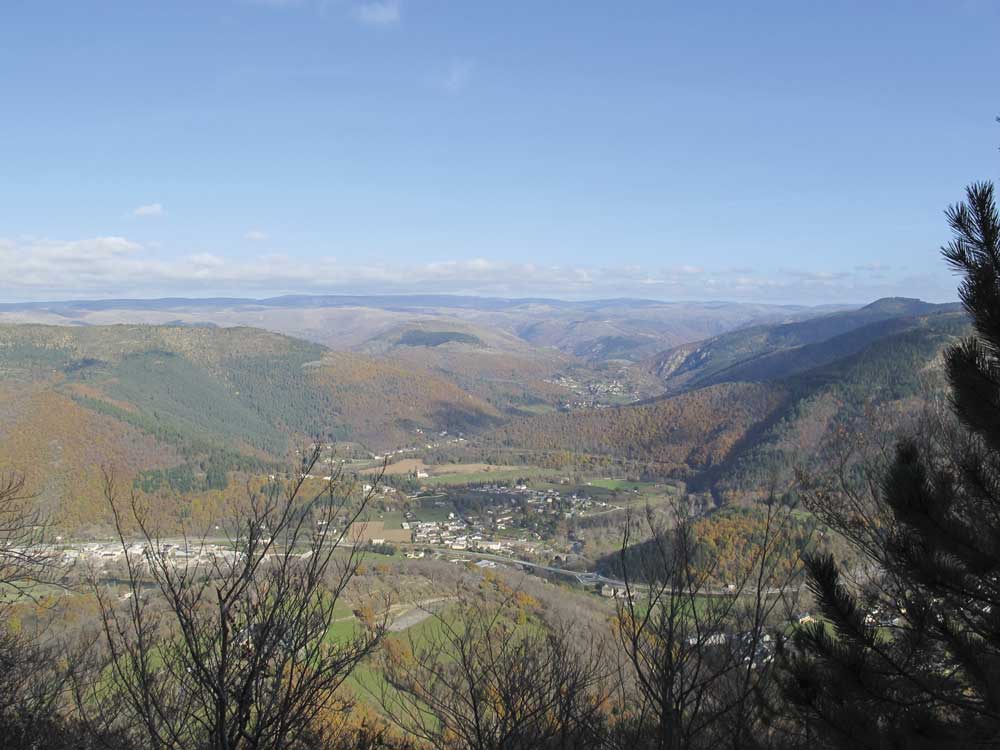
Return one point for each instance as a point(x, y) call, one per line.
point(734, 438)
point(383, 401)
point(895, 375)
point(178, 408)
point(680, 435)
point(770, 351)
point(490, 363)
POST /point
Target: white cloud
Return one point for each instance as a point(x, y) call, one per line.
point(255, 235)
point(51, 264)
point(116, 266)
point(150, 209)
point(379, 13)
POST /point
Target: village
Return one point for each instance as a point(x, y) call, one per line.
point(511, 519)
point(595, 393)
point(495, 523)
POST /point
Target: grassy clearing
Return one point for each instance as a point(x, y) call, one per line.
point(343, 631)
point(27, 591)
point(536, 409)
point(434, 513)
point(366, 681)
point(393, 519)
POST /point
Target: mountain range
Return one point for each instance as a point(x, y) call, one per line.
point(596, 329)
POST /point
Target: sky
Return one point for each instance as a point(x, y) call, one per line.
point(795, 152)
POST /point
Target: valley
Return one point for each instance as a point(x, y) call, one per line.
point(476, 456)
point(479, 439)
point(184, 411)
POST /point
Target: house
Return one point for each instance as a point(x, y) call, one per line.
point(715, 639)
point(613, 592)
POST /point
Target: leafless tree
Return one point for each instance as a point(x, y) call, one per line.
point(226, 646)
point(25, 559)
point(33, 660)
point(699, 648)
point(477, 679)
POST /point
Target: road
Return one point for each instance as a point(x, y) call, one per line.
point(586, 578)
point(592, 578)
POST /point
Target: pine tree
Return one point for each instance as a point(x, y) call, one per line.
point(917, 662)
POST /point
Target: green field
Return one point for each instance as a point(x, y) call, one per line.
point(392, 519)
point(536, 409)
point(434, 513)
point(10, 593)
point(343, 630)
point(366, 680)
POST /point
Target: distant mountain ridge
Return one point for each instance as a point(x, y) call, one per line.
point(593, 330)
point(403, 301)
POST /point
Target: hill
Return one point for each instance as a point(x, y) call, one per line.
point(497, 366)
point(633, 330)
point(184, 406)
point(676, 436)
point(768, 351)
point(437, 338)
point(893, 375)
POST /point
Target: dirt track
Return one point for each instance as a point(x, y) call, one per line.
point(414, 614)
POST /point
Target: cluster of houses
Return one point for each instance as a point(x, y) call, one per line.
point(97, 554)
point(506, 499)
point(505, 516)
point(443, 439)
point(597, 393)
point(455, 534)
point(756, 649)
point(513, 514)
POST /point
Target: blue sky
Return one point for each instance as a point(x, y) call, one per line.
point(773, 151)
